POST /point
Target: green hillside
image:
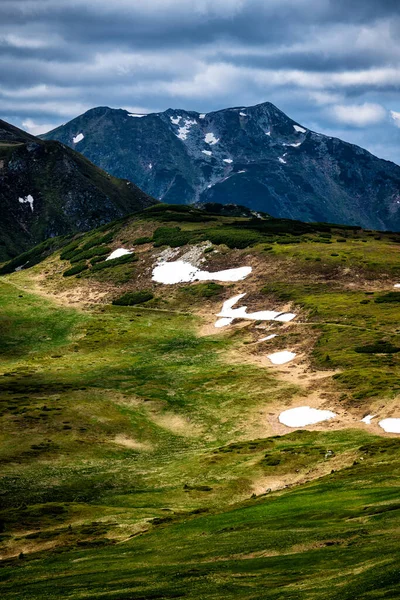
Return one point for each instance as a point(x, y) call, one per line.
point(141, 448)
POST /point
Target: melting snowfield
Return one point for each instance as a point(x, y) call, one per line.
point(180, 271)
point(367, 420)
point(78, 138)
point(390, 425)
point(27, 200)
point(228, 312)
point(304, 415)
point(118, 252)
point(281, 358)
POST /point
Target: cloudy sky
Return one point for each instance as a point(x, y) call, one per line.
point(332, 65)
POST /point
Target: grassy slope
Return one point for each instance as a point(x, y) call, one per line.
point(131, 446)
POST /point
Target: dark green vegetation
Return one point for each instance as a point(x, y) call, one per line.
point(132, 298)
point(66, 192)
point(320, 178)
point(141, 459)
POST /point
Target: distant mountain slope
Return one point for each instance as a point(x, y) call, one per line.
point(255, 156)
point(47, 189)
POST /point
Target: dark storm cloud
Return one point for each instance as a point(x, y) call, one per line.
point(331, 64)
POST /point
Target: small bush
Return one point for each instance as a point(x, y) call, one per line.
point(75, 270)
point(113, 262)
point(132, 298)
point(389, 297)
point(233, 238)
point(96, 251)
point(142, 240)
point(204, 290)
point(171, 236)
point(380, 347)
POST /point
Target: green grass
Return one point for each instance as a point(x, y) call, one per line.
point(138, 459)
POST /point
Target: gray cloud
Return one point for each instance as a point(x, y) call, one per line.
point(333, 65)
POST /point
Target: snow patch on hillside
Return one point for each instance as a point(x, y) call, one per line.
point(208, 152)
point(78, 138)
point(282, 160)
point(229, 312)
point(304, 415)
point(27, 200)
point(184, 129)
point(118, 252)
point(228, 160)
point(390, 425)
point(175, 120)
point(180, 271)
point(136, 115)
point(299, 129)
point(367, 419)
point(242, 114)
point(211, 139)
point(281, 358)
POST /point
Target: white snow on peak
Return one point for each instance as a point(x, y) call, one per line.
point(136, 115)
point(282, 160)
point(184, 129)
point(228, 160)
point(390, 425)
point(304, 415)
point(27, 200)
point(295, 145)
point(241, 313)
point(368, 419)
point(299, 129)
point(180, 271)
point(78, 138)
point(211, 139)
point(118, 252)
point(208, 152)
point(281, 358)
point(202, 116)
point(242, 114)
point(175, 120)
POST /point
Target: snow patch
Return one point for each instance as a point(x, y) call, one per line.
point(208, 152)
point(184, 129)
point(241, 172)
point(241, 313)
point(269, 337)
point(150, 165)
point(268, 133)
point(299, 129)
point(304, 415)
point(242, 114)
point(78, 138)
point(368, 419)
point(211, 139)
point(282, 160)
point(202, 116)
point(136, 115)
point(118, 252)
point(390, 425)
point(27, 200)
point(295, 145)
point(180, 271)
point(397, 285)
point(228, 160)
point(175, 120)
point(223, 322)
point(281, 358)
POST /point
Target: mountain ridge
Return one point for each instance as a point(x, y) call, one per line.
point(47, 190)
point(253, 156)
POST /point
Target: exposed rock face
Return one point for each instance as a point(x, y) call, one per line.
point(47, 189)
point(254, 156)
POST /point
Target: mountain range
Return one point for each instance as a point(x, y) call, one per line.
point(48, 190)
point(254, 156)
